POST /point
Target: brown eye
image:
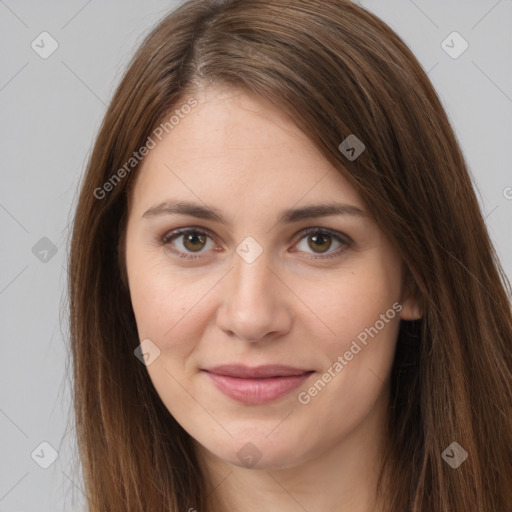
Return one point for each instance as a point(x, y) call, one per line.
point(194, 241)
point(320, 242)
point(191, 243)
point(185, 242)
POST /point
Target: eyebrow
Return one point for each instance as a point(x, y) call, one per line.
point(286, 216)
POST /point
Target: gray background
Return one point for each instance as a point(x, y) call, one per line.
point(51, 110)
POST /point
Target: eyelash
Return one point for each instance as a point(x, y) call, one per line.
point(341, 238)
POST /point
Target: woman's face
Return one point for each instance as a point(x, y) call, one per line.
point(263, 282)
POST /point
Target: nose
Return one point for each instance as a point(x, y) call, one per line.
point(256, 304)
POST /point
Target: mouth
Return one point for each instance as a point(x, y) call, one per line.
point(256, 385)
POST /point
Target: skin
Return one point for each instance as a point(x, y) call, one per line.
point(241, 155)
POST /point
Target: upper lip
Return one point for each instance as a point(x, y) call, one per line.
point(256, 372)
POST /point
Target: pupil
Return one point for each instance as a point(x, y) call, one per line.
point(189, 239)
point(315, 238)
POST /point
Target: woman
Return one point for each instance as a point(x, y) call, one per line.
point(283, 294)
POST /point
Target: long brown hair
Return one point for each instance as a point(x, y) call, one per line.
point(337, 70)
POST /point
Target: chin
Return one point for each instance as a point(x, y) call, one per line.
point(260, 453)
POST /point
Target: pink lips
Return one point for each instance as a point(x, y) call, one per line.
point(257, 385)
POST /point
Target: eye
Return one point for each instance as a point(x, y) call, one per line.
point(320, 240)
point(189, 242)
point(192, 239)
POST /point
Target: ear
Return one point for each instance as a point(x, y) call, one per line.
point(411, 307)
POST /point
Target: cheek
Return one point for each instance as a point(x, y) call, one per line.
point(156, 301)
point(356, 304)
point(363, 311)
point(168, 307)
point(167, 310)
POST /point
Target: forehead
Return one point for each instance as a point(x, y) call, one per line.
point(237, 149)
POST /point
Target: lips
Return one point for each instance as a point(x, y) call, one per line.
point(256, 385)
point(257, 372)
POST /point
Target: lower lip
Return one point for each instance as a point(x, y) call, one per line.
point(257, 391)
